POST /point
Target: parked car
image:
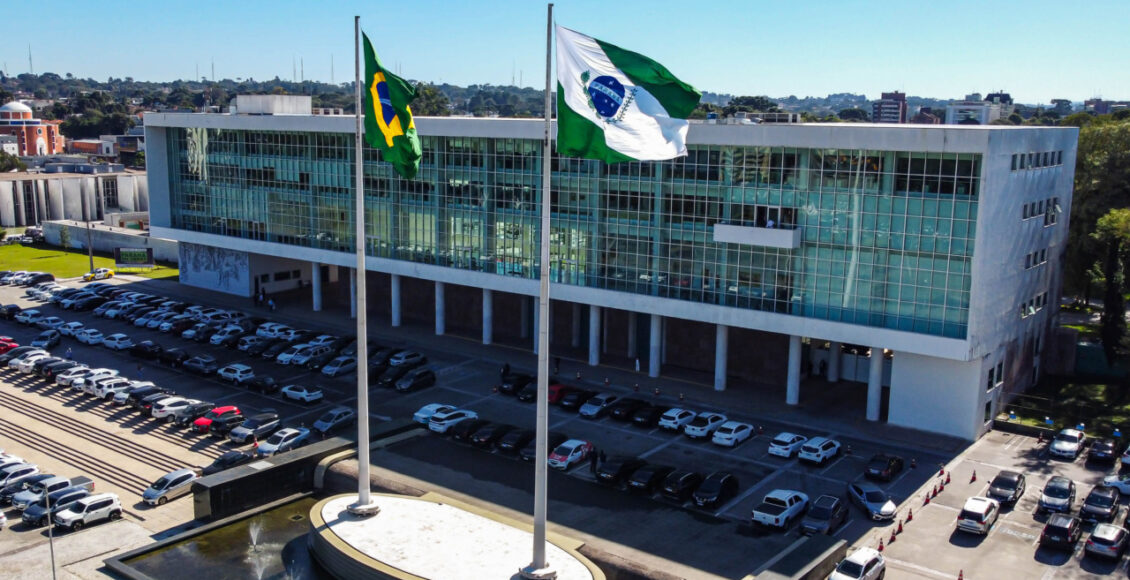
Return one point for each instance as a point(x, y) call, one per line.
point(512, 383)
point(333, 419)
point(166, 410)
point(649, 478)
point(190, 413)
point(1107, 541)
point(204, 423)
point(731, 433)
point(117, 341)
point(599, 405)
point(236, 373)
point(872, 500)
point(704, 425)
point(884, 467)
point(680, 485)
point(463, 430)
point(416, 379)
point(260, 348)
point(283, 440)
point(91, 336)
point(1007, 487)
point(340, 366)
point(825, 516)
point(1101, 505)
point(47, 339)
point(89, 510)
point(262, 384)
point(819, 450)
point(862, 564)
point(305, 394)
point(978, 515)
point(146, 349)
point(623, 409)
point(227, 461)
point(1061, 531)
point(98, 274)
point(569, 453)
point(716, 489)
point(1103, 450)
point(489, 434)
point(553, 439)
point(780, 508)
point(174, 357)
point(617, 469)
point(170, 486)
point(425, 413)
point(255, 427)
point(40, 513)
point(202, 364)
point(648, 415)
point(1058, 495)
point(407, 357)
point(50, 323)
point(514, 441)
point(442, 421)
point(390, 375)
point(1067, 443)
point(575, 399)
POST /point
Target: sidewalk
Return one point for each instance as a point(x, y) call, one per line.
point(833, 407)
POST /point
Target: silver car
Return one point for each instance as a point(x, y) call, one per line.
point(871, 499)
point(170, 486)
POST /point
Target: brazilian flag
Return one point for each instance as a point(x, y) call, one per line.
point(388, 120)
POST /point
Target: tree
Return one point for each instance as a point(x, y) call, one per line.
point(855, 115)
point(65, 237)
point(1077, 120)
point(761, 104)
point(429, 102)
point(9, 162)
point(1113, 231)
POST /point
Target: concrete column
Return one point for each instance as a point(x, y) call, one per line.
point(525, 317)
point(875, 384)
point(441, 309)
point(792, 395)
point(353, 293)
point(575, 336)
point(316, 278)
point(488, 316)
point(834, 355)
point(594, 335)
point(721, 353)
point(655, 347)
point(394, 294)
point(633, 335)
point(537, 323)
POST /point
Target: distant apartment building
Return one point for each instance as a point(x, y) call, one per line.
point(891, 108)
point(33, 136)
point(926, 116)
point(970, 112)
point(74, 191)
point(9, 144)
point(1101, 107)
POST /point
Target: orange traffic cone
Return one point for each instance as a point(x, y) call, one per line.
point(926, 501)
point(941, 470)
point(892, 540)
point(947, 478)
point(974, 478)
point(961, 575)
point(899, 530)
point(880, 544)
point(909, 515)
point(935, 494)
point(941, 486)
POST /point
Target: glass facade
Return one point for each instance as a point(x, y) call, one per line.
point(886, 236)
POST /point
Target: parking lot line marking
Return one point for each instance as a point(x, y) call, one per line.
point(657, 448)
point(918, 568)
point(780, 555)
point(738, 499)
point(896, 481)
point(832, 464)
point(842, 527)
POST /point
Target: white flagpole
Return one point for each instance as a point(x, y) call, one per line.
point(364, 506)
point(539, 567)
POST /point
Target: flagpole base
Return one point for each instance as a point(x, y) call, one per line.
point(532, 573)
point(364, 510)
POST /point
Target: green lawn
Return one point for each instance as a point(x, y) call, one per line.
point(71, 263)
point(1101, 407)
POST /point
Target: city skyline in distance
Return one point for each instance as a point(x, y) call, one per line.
point(1040, 53)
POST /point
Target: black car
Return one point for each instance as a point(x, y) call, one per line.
point(38, 366)
point(277, 345)
point(317, 362)
point(146, 349)
point(174, 357)
point(884, 467)
point(137, 394)
point(193, 412)
point(1061, 531)
point(416, 379)
point(378, 359)
point(260, 347)
point(514, 382)
point(716, 489)
point(617, 469)
point(648, 415)
point(528, 393)
point(48, 338)
point(575, 399)
point(232, 339)
point(221, 426)
point(205, 334)
point(145, 404)
point(392, 374)
point(623, 409)
point(52, 370)
point(10, 490)
point(680, 485)
point(136, 313)
point(262, 384)
point(89, 303)
point(515, 441)
point(1007, 487)
point(9, 311)
point(258, 426)
point(827, 514)
point(463, 430)
point(202, 364)
point(649, 478)
point(487, 435)
point(1101, 505)
point(529, 452)
point(15, 352)
point(227, 461)
point(1105, 450)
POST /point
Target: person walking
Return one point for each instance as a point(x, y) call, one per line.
point(271, 304)
point(68, 355)
point(592, 462)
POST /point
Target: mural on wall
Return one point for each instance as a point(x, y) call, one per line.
point(217, 268)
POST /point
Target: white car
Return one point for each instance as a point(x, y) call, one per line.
point(333, 419)
point(117, 341)
point(68, 376)
point(271, 330)
point(167, 408)
point(91, 336)
point(283, 440)
point(444, 420)
point(786, 444)
point(340, 366)
point(675, 419)
point(819, 450)
point(50, 323)
point(27, 363)
point(101, 388)
point(1119, 482)
point(979, 515)
point(29, 316)
point(302, 393)
point(570, 452)
point(285, 356)
point(225, 333)
point(15, 362)
point(95, 375)
point(1067, 443)
point(704, 425)
point(111, 390)
point(405, 357)
point(862, 564)
point(236, 373)
point(731, 433)
point(427, 411)
point(323, 339)
point(71, 328)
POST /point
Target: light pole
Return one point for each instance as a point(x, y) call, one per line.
point(86, 217)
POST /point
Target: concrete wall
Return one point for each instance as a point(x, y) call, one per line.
point(938, 395)
point(215, 268)
point(60, 196)
point(105, 240)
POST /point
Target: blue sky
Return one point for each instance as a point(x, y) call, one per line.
point(1037, 50)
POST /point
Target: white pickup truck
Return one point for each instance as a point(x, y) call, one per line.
point(780, 508)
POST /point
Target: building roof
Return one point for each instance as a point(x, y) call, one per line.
point(26, 175)
point(15, 107)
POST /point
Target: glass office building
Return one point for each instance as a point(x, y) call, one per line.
point(860, 234)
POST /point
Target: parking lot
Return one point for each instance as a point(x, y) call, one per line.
point(67, 432)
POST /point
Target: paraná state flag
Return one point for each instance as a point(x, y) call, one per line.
point(388, 119)
point(616, 105)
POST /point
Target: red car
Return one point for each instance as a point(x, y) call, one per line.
point(557, 392)
point(6, 346)
point(204, 424)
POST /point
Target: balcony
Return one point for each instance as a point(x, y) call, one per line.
point(786, 237)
